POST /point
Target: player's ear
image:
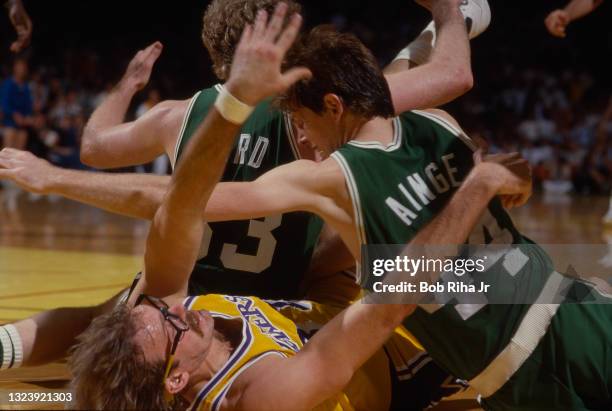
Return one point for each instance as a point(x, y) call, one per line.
point(333, 105)
point(176, 381)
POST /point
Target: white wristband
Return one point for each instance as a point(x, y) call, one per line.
point(232, 109)
point(12, 347)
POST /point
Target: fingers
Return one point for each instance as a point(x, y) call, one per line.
point(276, 22)
point(290, 33)
point(11, 152)
point(294, 75)
point(247, 35)
point(6, 163)
point(23, 39)
point(153, 51)
point(259, 27)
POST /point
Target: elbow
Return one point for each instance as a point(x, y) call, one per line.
point(463, 81)
point(88, 156)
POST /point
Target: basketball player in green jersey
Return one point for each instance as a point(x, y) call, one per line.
point(264, 258)
point(390, 180)
point(385, 180)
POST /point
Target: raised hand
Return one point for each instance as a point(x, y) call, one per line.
point(556, 22)
point(256, 68)
point(138, 72)
point(22, 24)
point(511, 175)
point(29, 172)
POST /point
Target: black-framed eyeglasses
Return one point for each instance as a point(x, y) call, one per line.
point(175, 321)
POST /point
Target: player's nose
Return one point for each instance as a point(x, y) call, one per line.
point(178, 310)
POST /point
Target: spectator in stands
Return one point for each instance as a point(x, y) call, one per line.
point(161, 163)
point(16, 102)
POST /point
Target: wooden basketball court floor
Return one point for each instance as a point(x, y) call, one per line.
point(59, 253)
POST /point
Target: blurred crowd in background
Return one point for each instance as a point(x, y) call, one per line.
point(553, 106)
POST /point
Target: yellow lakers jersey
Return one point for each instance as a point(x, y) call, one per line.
point(278, 327)
point(265, 332)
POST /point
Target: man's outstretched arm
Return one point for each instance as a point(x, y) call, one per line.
point(140, 195)
point(446, 75)
point(108, 142)
point(557, 21)
point(22, 24)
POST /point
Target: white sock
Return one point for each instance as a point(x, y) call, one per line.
point(419, 50)
point(477, 15)
point(11, 347)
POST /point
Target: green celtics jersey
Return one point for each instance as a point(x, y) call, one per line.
point(264, 257)
point(396, 190)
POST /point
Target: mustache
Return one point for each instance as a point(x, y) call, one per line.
point(192, 322)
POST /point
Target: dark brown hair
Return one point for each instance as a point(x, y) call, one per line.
point(340, 65)
point(224, 21)
point(109, 371)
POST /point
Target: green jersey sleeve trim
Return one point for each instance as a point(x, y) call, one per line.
point(450, 127)
point(394, 145)
point(183, 126)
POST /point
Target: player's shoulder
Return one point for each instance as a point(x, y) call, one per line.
point(440, 117)
point(316, 169)
point(169, 109)
point(250, 390)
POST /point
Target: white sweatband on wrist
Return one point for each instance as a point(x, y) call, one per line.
point(419, 50)
point(232, 109)
point(12, 347)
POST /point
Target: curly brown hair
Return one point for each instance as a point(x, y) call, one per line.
point(109, 371)
point(341, 65)
point(224, 21)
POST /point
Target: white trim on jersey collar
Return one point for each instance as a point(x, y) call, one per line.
point(394, 145)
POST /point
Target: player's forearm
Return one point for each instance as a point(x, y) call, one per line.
point(451, 54)
point(140, 195)
point(203, 162)
point(174, 238)
point(441, 236)
point(454, 224)
point(335, 352)
point(580, 8)
point(110, 113)
point(131, 195)
point(446, 76)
